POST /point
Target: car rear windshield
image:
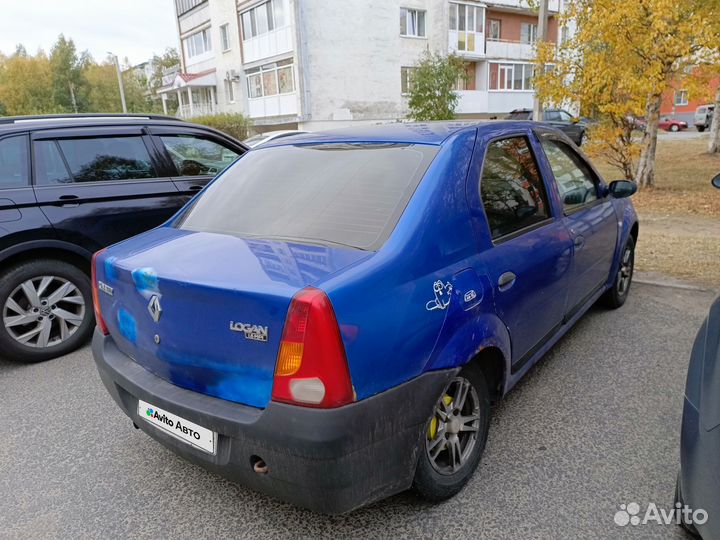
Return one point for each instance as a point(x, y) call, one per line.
point(348, 194)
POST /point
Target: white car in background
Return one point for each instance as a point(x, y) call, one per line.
point(261, 138)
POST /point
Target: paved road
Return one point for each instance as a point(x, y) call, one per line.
point(594, 425)
point(691, 133)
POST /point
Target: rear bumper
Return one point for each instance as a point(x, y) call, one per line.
point(327, 460)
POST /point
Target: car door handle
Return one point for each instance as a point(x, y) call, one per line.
point(195, 189)
point(506, 280)
point(68, 200)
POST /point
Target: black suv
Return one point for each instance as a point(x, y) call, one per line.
point(71, 185)
point(572, 126)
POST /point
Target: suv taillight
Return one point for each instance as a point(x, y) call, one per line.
point(95, 295)
point(311, 367)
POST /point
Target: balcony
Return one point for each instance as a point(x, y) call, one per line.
point(511, 50)
point(553, 5)
point(269, 44)
point(466, 43)
point(276, 105)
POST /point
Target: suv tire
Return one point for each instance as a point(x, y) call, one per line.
point(436, 479)
point(45, 310)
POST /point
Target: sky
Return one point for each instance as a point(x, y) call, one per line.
point(135, 29)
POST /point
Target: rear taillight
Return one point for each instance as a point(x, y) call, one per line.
point(96, 296)
point(311, 366)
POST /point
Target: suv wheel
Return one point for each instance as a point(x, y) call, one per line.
point(700, 128)
point(454, 437)
point(46, 308)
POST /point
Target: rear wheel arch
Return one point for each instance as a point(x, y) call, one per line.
point(69, 253)
point(493, 364)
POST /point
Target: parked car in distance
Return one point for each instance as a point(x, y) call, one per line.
point(262, 138)
point(637, 122)
point(70, 185)
point(671, 124)
point(703, 117)
point(361, 297)
point(697, 483)
point(572, 126)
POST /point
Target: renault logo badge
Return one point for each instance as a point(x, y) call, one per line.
point(154, 308)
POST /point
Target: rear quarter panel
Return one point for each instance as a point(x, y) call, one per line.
point(384, 305)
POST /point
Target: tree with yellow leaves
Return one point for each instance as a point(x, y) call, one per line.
point(618, 63)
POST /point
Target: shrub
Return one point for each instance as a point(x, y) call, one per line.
point(234, 124)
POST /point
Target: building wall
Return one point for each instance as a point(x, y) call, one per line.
point(224, 12)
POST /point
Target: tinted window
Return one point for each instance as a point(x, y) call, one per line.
point(49, 165)
point(101, 159)
point(511, 187)
point(552, 116)
point(195, 156)
point(351, 194)
point(574, 178)
point(13, 162)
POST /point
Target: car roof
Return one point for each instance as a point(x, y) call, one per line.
point(56, 121)
point(433, 133)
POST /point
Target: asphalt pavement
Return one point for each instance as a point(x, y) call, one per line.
point(594, 425)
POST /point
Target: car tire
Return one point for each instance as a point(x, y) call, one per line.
point(674, 128)
point(700, 128)
point(45, 310)
point(689, 527)
point(616, 295)
point(460, 450)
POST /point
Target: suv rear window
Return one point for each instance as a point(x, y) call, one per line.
point(349, 194)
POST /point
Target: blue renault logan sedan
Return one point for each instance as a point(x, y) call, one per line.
point(329, 321)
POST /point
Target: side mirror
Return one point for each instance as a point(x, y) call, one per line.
point(716, 181)
point(575, 120)
point(620, 189)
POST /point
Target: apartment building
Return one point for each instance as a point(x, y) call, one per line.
point(318, 64)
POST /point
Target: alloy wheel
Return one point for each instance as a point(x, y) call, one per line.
point(43, 311)
point(453, 429)
point(625, 272)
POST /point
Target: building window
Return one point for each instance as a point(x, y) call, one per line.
point(514, 76)
point(494, 29)
point(271, 79)
point(198, 43)
point(406, 79)
point(564, 35)
point(412, 22)
point(225, 37)
point(262, 19)
point(466, 80)
point(528, 32)
point(681, 97)
point(467, 21)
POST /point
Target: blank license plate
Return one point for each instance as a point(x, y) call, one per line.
point(185, 430)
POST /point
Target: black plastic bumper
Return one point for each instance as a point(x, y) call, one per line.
point(327, 460)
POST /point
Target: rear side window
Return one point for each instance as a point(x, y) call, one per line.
point(13, 162)
point(196, 156)
point(511, 187)
point(102, 159)
point(575, 180)
point(349, 194)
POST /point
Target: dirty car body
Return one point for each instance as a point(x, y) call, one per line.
point(408, 273)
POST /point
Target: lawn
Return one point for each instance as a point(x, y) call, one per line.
point(680, 217)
